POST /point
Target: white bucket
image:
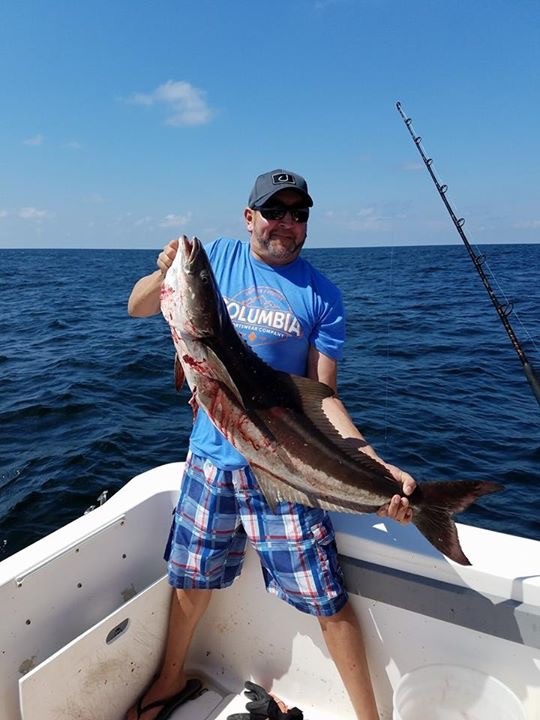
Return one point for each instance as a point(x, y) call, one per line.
point(451, 692)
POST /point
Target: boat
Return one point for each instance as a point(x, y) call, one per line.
point(85, 614)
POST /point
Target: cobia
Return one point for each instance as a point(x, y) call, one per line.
point(276, 420)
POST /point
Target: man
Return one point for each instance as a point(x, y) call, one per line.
point(266, 273)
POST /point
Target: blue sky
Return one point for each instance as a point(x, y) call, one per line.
point(126, 123)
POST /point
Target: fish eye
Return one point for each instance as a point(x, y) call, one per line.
point(205, 277)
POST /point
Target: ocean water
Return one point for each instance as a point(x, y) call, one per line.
point(87, 398)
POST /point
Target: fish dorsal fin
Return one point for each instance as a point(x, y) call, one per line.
point(311, 390)
point(311, 394)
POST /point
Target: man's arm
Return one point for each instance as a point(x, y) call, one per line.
point(144, 299)
point(145, 296)
point(324, 369)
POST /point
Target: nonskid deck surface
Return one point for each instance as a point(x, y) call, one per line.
point(210, 705)
point(95, 676)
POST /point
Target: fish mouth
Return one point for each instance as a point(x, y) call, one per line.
point(190, 251)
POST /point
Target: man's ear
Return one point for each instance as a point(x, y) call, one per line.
point(249, 215)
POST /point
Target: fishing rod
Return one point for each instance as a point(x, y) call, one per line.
point(503, 311)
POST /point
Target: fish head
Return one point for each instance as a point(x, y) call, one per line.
point(190, 300)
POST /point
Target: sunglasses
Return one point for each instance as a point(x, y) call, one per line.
point(278, 212)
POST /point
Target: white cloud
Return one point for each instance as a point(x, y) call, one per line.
point(412, 166)
point(95, 198)
point(35, 140)
point(146, 220)
point(369, 219)
point(30, 213)
point(73, 145)
point(3, 213)
point(186, 104)
point(527, 225)
point(175, 220)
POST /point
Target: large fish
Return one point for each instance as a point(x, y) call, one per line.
point(276, 420)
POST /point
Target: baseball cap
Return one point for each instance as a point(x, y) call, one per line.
point(270, 183)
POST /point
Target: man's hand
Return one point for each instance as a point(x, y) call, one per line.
point(144, 299)
point(398, 508)
point(167, 255)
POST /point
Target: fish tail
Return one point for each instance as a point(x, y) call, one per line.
point(435, 506)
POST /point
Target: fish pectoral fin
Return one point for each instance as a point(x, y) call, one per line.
point(276, 490)
point(179, 374)
point(221, 373)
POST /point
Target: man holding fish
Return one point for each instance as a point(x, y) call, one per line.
point(292, 317)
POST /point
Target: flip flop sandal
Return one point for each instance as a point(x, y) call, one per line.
point(263, 706)
point(190, 690)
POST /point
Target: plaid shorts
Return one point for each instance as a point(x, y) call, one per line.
point(218, 510)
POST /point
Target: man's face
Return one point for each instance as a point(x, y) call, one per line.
point(277, 242)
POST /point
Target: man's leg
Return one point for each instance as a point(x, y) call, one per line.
point(300, 564)
point(187, 608)
point(344, 641)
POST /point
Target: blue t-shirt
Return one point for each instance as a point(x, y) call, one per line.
point(279, 311)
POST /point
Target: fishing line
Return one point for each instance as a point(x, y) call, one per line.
point(388, 320)
point(503, 310)
point(509, 304)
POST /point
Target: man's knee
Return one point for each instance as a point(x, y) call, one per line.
point(345, 614)
point(192, 601)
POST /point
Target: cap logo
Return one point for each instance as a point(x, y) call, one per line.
point(283, 179)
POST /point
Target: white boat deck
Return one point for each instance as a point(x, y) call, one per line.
point(73, 655)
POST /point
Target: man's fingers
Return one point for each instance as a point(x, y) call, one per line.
point(167, 255)
point(391, 508)
point(409, 484)
point(397, 509)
